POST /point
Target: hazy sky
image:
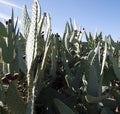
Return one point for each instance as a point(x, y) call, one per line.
point(103, 15)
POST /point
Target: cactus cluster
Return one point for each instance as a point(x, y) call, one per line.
point(44, 73)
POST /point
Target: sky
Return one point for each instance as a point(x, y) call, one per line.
point(94, 15)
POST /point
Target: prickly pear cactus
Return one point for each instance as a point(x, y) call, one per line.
point(42, 72)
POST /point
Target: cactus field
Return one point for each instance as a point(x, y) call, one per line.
point(42, 72)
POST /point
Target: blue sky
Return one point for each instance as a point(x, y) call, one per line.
point(103, 15)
